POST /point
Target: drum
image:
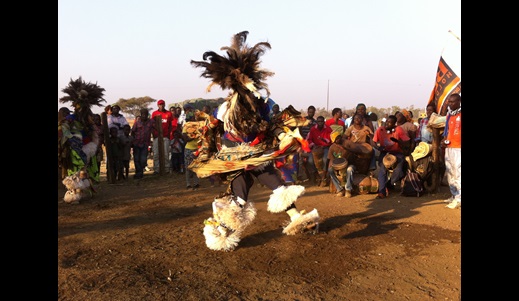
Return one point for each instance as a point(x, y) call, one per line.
point(389, 161)
point(365, 184)
point(318, 154)
point(360, 155)
point(339, 163)
point(358, 148)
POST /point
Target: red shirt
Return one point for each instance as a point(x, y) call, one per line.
point(383, 137)
point(319, 137)
point(174, 126)
point(167, 118)
point(336, 125)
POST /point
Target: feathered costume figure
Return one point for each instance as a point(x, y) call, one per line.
point(78, 139)
point(250, 142)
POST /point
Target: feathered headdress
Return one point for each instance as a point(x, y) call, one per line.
point(240, 72)
point(83, 96)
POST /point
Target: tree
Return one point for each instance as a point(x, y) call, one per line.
point(132, 106)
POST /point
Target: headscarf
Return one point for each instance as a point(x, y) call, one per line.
point(407, 115)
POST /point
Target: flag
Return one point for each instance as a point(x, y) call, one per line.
point(448, 75)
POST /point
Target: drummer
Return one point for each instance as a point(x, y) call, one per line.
point(358, 132)
point(337, 155)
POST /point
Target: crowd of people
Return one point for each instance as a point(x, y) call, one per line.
point(336, 133)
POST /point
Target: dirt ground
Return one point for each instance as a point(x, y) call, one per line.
point(143, 240)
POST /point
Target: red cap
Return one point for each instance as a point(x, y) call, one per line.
point(161, 102)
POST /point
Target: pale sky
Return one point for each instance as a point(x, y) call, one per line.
point(325, 53)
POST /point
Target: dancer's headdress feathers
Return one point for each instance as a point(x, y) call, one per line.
point(239, 72)
point(83, 96)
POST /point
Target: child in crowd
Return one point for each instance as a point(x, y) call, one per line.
point(115, 162)
point(100, 134)
point(126, 148)
point(177, 152)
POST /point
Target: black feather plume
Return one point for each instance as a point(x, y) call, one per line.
point(239, 71)
point(83, 96)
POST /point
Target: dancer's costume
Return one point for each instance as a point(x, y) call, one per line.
point(78, 140)
point(243, 145)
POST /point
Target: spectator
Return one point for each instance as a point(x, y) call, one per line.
point(108, 110)
point(451, 141)
point(192, 180)
point(117, 120)
point(336, 122)
point(101, 135)
point(307, 160)
point(319, 141)
point(344, 117)
point(374, 120)
point(405, 121)
point(126, 149)
point(166, 120)
point(177, 151)
point(116, 152)
point(425, 134)
point(276, 111)
point(141, 132)
point(388, 140)
point(366, 120)
point(174, 122)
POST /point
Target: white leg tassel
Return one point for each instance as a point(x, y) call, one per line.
point(284, 196)
point(231, 215)
point(301, 222)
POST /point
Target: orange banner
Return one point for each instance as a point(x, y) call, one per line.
point(448, 74)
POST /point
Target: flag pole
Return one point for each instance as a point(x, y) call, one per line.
point(328, 95)
point(452, 33)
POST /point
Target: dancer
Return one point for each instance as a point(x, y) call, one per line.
point(250, 142)
point(77, 136)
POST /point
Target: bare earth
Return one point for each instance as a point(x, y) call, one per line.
point(143, 241)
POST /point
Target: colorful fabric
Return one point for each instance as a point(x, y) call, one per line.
point(78, 164)
point(288, 166)
point(141, 131)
